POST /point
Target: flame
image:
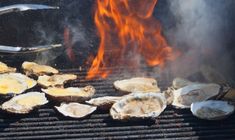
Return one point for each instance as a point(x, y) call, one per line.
point(127, 30)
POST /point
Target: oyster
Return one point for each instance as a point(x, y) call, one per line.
point(31, 68)
point(75, 110)
point(180, 82)
point(104, 102)
point(55, 80)
point(30, 82)
point(24, 103)
point(139, 105)
point(4, 68)
point(70, 94)
point(185, 96)
point(212, 109)
point(138, 84)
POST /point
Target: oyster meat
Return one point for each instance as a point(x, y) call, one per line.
point(138, 84)
point(139, 105)
point(29, 81)
point(75, 110)
point(184, 97)
point(55, 80)
point(70, 94)
point(5, 69)
point(212, 109)
point(180, 82)
point(24, 103)
point(31, 68)
point(104, 102)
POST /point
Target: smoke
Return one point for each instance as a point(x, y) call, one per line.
point(200, 33)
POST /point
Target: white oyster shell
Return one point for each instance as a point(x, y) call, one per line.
point(139, 105)
point(104, 102)
point(75, 110)
point(180, 82)
point(212, 109)
point(184, 97)
point(29, 81)
point(24, 103)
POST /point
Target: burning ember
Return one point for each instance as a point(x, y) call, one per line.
point(128, 33)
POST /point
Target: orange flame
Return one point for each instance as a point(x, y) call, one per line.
point(127, 29)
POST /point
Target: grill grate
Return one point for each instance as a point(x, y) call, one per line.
point(47, 123)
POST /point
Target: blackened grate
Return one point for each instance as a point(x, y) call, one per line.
point(46, 123)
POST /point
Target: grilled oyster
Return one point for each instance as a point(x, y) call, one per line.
point(184, 97)
point(75, 110)
point(30, 82)
point(138, 84)
point(4, 68)
point(104, 102)
point(180, 82)
point(139, 105)
point(212, 109)
point(70, 94)
point(11, 84)
point(24, 103)
point(31, 68)
point(55, 80)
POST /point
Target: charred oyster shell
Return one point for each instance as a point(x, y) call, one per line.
point(70, 94)
point(75, 110)
point(104, 102)
point(5, 69)
point(24, 103)
point(212, 109)
point(55, 80)
point(138, 84)
point(31, 68)
point(139, 105)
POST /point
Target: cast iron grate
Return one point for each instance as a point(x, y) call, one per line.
point(47, 123)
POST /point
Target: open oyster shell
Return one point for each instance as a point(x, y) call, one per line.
point(138, 84)
point(75, 110)
point(24, 103)
point(71, 94)
point(212, 109)
point(5, 69)
point(29, 81)
point(31, 68)
point(184, 97)
point(55, 80)
point(139, 105)
point(180, 82)
point(104, 102)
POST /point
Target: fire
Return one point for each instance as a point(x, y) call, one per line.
point(128, 33)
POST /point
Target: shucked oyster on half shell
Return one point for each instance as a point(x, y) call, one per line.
point(5, 69)
point(24, 103)
point(29, 81)
point(104, 102)
point(70, 94)
point(31, 68)
point(212, 109)
point(184, 97)
point(55, 80)
point(139, 105)
point(75, 110)
point(138, 84)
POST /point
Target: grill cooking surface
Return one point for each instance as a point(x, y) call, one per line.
point(47, 123)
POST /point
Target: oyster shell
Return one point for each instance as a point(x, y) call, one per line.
point(104, 102)
point(138, 84)
point(24, 103)
point(180, 82)
point(31, 68)
point(55, 80)
point(70, 94)
point(29, 81)
point(139, 105)
point(185, 96)
point(212, 109)
point(5, 69)
point(75, 110)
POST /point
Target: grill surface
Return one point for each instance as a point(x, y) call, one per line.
point(47, 123)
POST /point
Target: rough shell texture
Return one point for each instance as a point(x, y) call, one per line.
point(71, 94)
point(55, 80)
point(180, 82)
point(185, 96)
point(138, 84)
point(212, 109)
point(104, 102)
point(24, 103)
point(31, 68)
point(5, 69)
point(23, 78)
point(139, 106)
point(75, 110)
